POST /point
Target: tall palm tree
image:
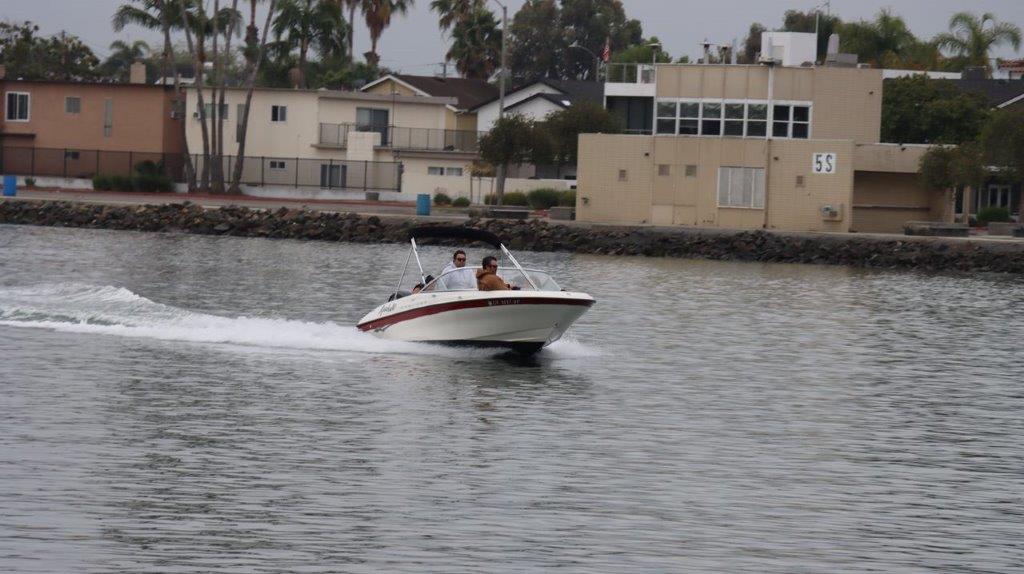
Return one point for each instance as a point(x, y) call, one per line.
point(123, 55)
point(378, 17)
point(476, 44)
point(352, 6)
point(972, 37)
point(451, 12)
point(309, 24)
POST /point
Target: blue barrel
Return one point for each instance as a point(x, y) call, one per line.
point(423, 204)
point(10, 185)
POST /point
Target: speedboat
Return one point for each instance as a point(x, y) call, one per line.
point(534, 313)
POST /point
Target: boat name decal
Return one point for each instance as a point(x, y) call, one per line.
point(495, 302)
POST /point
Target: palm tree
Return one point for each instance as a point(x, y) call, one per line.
point(378, 17)
point(476, 44)
point(451, 12)
point(306, 24)
point(971, 37)
point(123, 55)
point(352, 5)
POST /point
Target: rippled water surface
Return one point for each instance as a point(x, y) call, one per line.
point(173, 403)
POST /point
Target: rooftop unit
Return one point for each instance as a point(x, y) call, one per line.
point(789, 48)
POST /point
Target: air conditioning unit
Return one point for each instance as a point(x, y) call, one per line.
point(832, 212)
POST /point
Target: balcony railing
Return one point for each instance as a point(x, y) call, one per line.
point(629, 73)
point(414, 139)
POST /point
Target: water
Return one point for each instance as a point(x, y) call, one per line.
point(174, 403)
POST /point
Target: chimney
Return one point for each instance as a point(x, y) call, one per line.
point(137, 73)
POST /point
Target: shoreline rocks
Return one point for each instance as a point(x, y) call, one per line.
point(930, 254)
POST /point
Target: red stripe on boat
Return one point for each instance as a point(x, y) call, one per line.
point(473, 303)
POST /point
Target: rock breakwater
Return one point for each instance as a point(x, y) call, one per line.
point(860, 251)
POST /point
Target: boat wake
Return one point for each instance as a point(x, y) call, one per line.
point(108, 310)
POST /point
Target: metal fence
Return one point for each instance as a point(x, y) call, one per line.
point(262, 171)
point(413, 139)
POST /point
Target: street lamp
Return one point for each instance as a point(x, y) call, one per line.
point(655, 48)
point(597, 61)
point(504, 62)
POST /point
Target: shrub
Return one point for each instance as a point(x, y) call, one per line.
point(121, 183)
point(30, 181)
point(152, 182)
point(101, 182)
point(442, 199)
point(544, 198)
point(461, 202)
point(517, 198)
point(990, 214)
point(149, 167)
point(568, 198)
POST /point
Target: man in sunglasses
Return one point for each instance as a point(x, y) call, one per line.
point(456, 275)
point(487, 276)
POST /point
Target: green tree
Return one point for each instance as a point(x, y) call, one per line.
point(377, 14)
point(122, 56)
point(62, 56)
point(752, 45)
point(513, 140)
point(1002, 139)
point(451, 12)
point(536, 44)
point(565, 126)
point(643, 53)
point(883, 42)
point(476, 45)
point(590, 24)
point(971, 37)
point(953, 168)
point(921, 110)
point(305, 25)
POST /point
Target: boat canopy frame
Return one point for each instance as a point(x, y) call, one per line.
point(452, 232)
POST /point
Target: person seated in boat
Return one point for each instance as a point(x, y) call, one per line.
point(456, 275)
point(487, 276)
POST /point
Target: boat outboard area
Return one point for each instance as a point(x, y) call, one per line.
point(503, 305)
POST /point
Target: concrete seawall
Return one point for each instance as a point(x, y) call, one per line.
point(933, 254)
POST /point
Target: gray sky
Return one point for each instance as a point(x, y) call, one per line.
point(414, 45)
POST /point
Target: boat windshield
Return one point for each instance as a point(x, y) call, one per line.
point(510, 275)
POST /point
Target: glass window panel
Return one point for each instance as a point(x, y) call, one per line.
point(781, 113)
point(780, 130)
point(711, 127)
point(758, 188)
point(734, 128)
point(712, 110)
point(723, 186)
point(757, 129)
point(688, 127)
point(801, 114)
point(734, 111)
point(747, 188)
point(689, 110)
point(800, 131)
point(757, 112)
point(666, 109)
point(667, 126)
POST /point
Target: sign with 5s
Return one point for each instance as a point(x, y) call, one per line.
point(824, 163)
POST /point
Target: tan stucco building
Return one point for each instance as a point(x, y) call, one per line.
point(752, 147)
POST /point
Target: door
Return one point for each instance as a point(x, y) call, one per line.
point(373, 120)
point(999, 196)
point(332, 175)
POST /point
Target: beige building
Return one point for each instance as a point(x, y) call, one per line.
point(757, 147)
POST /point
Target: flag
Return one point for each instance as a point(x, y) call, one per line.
point(606, 54)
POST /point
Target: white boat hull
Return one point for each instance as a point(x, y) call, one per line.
point(522, 320)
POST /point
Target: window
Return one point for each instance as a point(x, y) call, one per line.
point(791, 121)
point(17, 107)
point(72, 105)
point(108, 117)
point(664, 169)
point(780, 122)
point(801, 122)
point(332, 175)
point(278, 113)
point(667, 118)
point(741, 187)
point(278, 165)
point(433, 170)
point(438, 170)
point(208, 111)
point(757, 120)
point(372, 120)
point(711, 119)
point(734, 116)
point(455, 171)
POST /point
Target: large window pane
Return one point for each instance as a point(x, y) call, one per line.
point(780, 129)
point(734, 128)
point(688, 127)
point(781, 113)
point(757, 112)
point(712, 111)
point(667, 126)
point(734, 111)
point(666, 109)
point(800, 131)
point(689, 110)
point(801, 114)
point(757, 129)
point(711, 127)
